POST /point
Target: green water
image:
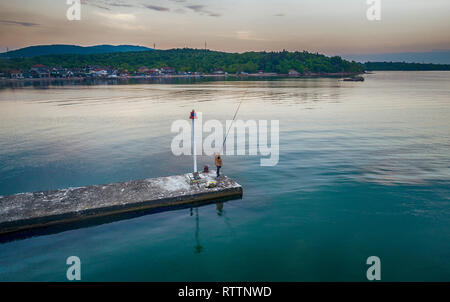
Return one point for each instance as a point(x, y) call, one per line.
point(364, 170)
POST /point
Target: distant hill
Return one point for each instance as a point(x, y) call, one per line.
point(435, 57)
point(58, 49)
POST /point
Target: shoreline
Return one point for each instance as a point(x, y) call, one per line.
point(177, 76)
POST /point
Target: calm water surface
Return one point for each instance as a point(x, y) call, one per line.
point(364, 170)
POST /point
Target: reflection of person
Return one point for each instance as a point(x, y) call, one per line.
point(218, 163)
point(219, 207)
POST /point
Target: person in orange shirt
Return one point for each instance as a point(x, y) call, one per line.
point(218, 163)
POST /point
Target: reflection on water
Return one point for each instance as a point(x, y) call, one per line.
point(198, 247)
point(47, 83)
point(219, 208)
point(364, 170)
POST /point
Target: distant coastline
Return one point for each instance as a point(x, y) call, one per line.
point(403, 66)
point(175, 62)
point(171, 79)
point(169, 76)
point(23, 82)
point(184, 64)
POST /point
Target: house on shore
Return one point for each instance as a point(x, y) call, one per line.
point(154, 71)
point(40, 71)
point(167, 70)
point(98, 72)
point(143, 70)
point(59, 72)
point(15, 74)
point(124, 73)
point(293, 73)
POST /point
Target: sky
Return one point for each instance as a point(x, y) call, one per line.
point(332, 27)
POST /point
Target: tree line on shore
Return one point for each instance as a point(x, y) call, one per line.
point(404, 66)
point(205, 61)
point(208, 61)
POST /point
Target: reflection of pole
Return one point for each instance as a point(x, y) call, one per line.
point(194, 147)
point(198, 247)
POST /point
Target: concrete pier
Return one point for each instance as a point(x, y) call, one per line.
point(28, 211)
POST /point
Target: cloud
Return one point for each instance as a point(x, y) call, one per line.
point(279, 15)
point(120, 21)
point(117, 17)
point(110, 4)
point(201, 9)
point(157, 8)
point(243, 35)
point(22, 23)
point(96, 3)
point(211, 14)
point(247, 35)
point(105, 4)
point(180, 11)
point(196, 8)
point(120, 4)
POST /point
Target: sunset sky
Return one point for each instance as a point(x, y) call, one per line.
point(325, 26)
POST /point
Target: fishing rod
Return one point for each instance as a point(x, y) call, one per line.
point(232, 121)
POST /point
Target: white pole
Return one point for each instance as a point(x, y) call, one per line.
point(194, 147)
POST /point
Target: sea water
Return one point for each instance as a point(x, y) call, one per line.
point(364, 170)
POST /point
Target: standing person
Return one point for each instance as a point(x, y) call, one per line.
point(218, 163)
